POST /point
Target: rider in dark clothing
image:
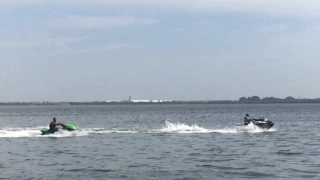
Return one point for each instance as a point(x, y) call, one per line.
point(53, 125)
point(247, 119)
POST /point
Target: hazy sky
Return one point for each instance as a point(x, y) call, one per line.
point(86, 50)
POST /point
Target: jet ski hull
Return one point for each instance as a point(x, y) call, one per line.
point(67, 127)
point(263, 123)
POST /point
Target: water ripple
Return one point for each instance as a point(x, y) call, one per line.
point(161, 142)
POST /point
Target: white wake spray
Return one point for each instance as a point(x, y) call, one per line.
point(184, 128)
point(181, 128)
point(35, 132)
point(170, 128)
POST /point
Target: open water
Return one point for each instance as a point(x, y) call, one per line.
point(160, 142)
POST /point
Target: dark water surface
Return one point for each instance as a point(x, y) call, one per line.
point(160, 142)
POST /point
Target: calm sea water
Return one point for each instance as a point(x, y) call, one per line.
point(160, 142)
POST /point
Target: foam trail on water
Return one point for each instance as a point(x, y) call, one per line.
point(181, 128)
point(170, 128)
point(35, 132)
point(19, 133)
point(184, 128)
point(113, 130)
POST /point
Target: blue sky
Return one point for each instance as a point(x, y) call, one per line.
point(88, 50)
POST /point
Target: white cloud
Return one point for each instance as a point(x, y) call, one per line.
point(112, 47)
point(271, 29)
point(93, 22)
point(300, 8)
point(63, 44)
point(16, 44)
point(40, 41)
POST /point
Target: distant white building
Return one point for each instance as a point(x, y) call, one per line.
point(157, 100)
point(138, 101)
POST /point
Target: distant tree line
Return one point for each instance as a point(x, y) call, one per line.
point(271, 99)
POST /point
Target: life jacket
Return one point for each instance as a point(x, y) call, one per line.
point(247, 120)
point(52, 126)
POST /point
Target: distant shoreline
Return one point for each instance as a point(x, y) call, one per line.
point(306, 101)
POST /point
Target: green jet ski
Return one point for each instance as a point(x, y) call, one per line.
point(67, 127)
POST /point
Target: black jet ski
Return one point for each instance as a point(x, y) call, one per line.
point(67, 127)
point(263, 123)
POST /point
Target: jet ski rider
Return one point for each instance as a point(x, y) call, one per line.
point(247, 119)
point(53, 125)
